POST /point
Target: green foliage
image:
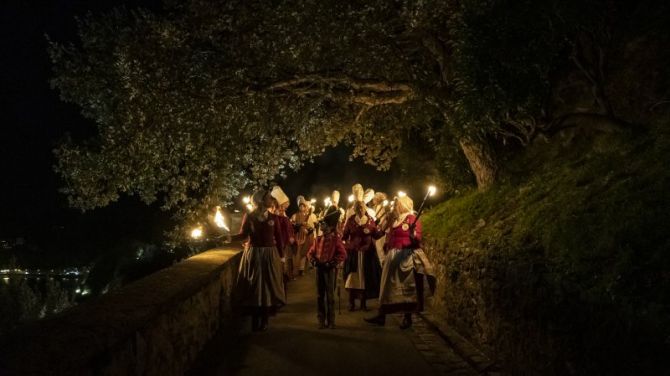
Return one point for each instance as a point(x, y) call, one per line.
point(206, 98)
point(588, 225)
point(185, 106)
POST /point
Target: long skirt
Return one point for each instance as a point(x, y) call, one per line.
point(260, 283)
point(362, 273)
point(300, 253)
point(406, 274)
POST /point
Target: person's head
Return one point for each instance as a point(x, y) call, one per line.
point(258, 198)
point(368, 195)
point(379, 198)
point(359, 208)
point(264, 200)
point(281, 208)
point(282, 201)
point(330, 221)
point(335, 198)
point(403, 205)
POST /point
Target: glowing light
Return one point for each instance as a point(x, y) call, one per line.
point(327, 202)
point(431, 190)
point(402, 194)
point(218, 219)
point(312, 201)
point(196, 233)
point(351, 198)
point(5, 279)
point(246, 200)
point(386, 203)
point(250, 207)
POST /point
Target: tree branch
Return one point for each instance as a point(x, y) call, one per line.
point(347, 90)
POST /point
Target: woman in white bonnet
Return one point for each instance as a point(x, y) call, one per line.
point(260, 285)
point(407, 274)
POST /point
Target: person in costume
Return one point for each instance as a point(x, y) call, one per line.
point(304, 223)
point(285, 228)
point(260, 286)
point(407, 274)
point(381, 218)
point(325, 255)
point(359, 194)
point(362, 270)
point(335, 207)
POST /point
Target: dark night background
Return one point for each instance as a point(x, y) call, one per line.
point(34, 119)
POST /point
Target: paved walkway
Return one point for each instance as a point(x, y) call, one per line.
point(293, 345)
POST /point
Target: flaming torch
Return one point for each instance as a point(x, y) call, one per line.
point(219, 220)
point(246, 200)
point(431, 192)
point(196, 233)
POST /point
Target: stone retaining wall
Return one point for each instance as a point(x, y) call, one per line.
point(155, 326)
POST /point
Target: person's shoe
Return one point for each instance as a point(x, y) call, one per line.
point(322, 325)
point(254, 323)
point(364, 306)
point(352, 307)
point(406, 322)
point(377, 320)
point(332, 325)
point(301, 273)
point(263, 326)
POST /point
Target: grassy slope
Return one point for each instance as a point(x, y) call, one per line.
point(565, 267)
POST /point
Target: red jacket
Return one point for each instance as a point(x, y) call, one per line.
point(285, 229)
point(398, 237)
point(327, 248)
point(360, 237)
point(263, 232)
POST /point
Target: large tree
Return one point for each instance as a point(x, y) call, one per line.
point(197, 102)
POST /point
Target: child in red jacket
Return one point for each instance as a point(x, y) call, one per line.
point(325, 254)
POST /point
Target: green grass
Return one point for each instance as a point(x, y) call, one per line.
point(594, 218)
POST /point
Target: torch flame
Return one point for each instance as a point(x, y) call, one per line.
point(312, 201)
point(218, 219)
point(196, 233)
point(386, 202)
point(431, 190)
point(402, 194)
point(351, 198)
point(246, 199)
point(327, 202)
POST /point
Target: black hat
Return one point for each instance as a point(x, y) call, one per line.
point(332, 217)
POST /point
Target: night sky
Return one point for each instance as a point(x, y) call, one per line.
point(34, 119)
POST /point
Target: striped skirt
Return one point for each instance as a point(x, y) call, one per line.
point(260, 282)
point(400, 272)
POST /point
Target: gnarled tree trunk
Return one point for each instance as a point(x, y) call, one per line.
point(481, 161)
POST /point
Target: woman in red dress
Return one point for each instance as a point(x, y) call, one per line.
point(362, 271)
point(260, 286)
point(407, 271)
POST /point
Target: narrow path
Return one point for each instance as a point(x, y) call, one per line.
point(293, 345)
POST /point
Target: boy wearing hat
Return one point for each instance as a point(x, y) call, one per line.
point(326, 253)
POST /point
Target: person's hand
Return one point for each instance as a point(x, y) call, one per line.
point(283, 260)
point(313, 262)
point(291, 240)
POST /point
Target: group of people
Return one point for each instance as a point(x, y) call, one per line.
point(376, 245)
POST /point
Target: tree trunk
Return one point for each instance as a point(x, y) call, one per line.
point(481, 161)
